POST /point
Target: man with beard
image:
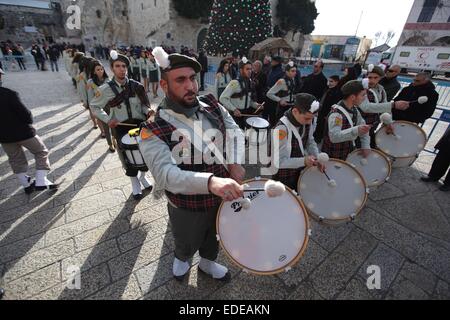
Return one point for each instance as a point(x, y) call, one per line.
point(316, 82)
point(390, 82)
point(173, 145)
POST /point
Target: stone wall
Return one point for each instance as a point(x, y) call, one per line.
point(14, 19)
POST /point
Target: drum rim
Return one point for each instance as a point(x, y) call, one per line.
point(336, 221)
point(260, 128)
point(407, 122)
point(389, 162)
point(294, 261)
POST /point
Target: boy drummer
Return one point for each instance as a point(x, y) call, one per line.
point(345, 124)
point(297, 147)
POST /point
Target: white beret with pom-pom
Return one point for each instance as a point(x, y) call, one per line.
point(114, 55)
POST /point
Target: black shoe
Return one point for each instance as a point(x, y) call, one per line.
point(52, 187)
point(445, 188)
point(112, 149)
point(180, 278)
point(149, 189)
point(429, 179)
point(225, 278)
point(137, 197)
point(30, 189)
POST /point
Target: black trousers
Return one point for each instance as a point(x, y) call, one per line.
point(270, 112)
point(202, 80)
point(194, 231)
point(440, 166)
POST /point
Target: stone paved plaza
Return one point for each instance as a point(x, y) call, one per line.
point(124, 248)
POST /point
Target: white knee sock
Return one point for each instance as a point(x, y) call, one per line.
point(144, 180)
point(41, 179)
point(212, 268)
point(24, 180)
point(136, 186)
point(180, 268)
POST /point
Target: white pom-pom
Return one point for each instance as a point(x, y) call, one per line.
point(274, 189)
point(423, 100)
point(246, 203)
point(332, 183)
point(365, 72)
point(370, 68)
point(382, 66)
point(365, 83)
point(291, 64)
point(114, 55)
point(161, 57)
point(323, 158)
point(386, 119)
point(244, 60)
point(364, 162)
point(315, 106)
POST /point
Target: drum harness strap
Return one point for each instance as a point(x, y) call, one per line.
point(351, 120)
point(126, 97)
point(199, 139)
point(291, 128)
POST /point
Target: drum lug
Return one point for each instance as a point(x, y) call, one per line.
point(217, 237)
point(368, 190)
point(353, 217)
point(310, 232)
point(257, 178)
point(246, 271)
point(287, 269)
point(321, 219)
point(388, 178)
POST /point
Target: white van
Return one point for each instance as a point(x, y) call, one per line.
point(432, 59)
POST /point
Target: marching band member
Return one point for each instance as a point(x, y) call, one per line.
point(346, 125)
point(297, 148)
point(283, 92)
point(237, 97)
point(122, 100)
point(195, 189)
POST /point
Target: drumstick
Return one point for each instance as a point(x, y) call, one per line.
point(323, 158)
point(272, 188)
point(259, 108)
point(127, 125)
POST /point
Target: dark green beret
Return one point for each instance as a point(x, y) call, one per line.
point(379, 71)
point(121, 57)
point(303, 101)
point(178, 61)
point(352, 87)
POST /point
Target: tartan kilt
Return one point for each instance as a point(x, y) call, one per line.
point(164, 131)
point(337, 150)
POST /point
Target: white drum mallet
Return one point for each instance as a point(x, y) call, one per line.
point(273, 189)
point(386, 119)
point(323, 158)
point(421, 100)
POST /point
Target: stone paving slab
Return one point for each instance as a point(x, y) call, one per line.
point(124, 248)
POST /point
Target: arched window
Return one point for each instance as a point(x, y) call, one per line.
point(98, 13)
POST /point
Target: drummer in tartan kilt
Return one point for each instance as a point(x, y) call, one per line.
point(194, 187)
point(345, 124)
point(376, 102)
point(297, 147)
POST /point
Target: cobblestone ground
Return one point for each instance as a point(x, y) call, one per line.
point(124, 248)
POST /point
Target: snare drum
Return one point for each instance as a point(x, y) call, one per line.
point(129, 146)
point(376, 169)
point(333, 203)
point(270, 237)
point(405, 146)
point(257, 130)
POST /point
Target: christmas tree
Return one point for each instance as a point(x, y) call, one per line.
point(237, 25)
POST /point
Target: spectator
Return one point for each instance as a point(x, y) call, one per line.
point(349, 75)
point(203, 59)
point(276, 71)
point(266, 65)
point(260, 81)
point(390, 82)
point(418, 113)
point(316, 83)
point(223, 77)
point(39, 59)
point(54, 56)
point(19, 58)
point(358, 70)
point(234, 67)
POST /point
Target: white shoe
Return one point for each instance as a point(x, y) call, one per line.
point(136, 186)
point(26, 182)
point(42, 183)
point(145, 182)
point(180, 269)
point(215, 270)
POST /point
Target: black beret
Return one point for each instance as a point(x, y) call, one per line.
point(303, 101)
point(120, 57)
point(178, 61)
point(378, 70)
point(352, 87)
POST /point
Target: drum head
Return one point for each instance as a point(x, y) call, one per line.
point(333, 203)
point(376, 169)
point(269, 237)
point(258, 123)
point(409, 140)
point(129, 141)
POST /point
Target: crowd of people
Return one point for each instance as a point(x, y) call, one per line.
point(335, 115)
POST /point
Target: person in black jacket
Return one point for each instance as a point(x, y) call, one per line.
point(330, 98)
point(390, 82)
point(17, 132)
point(260, 80)
point(441, 163)
point(316, 82)
point(203, 59)
point(54, 56)
point(417, 113)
